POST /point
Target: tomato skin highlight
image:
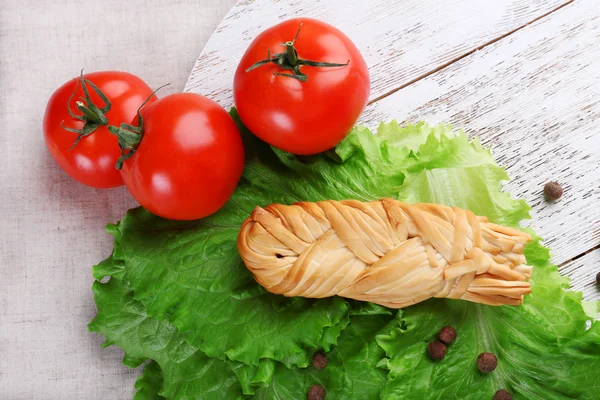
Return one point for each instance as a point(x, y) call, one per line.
point(92, 160)
point(189, 160)
point(302, 117)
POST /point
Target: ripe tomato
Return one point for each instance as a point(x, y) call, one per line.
point(310, 108)
point(189, 159)
point(92, 160)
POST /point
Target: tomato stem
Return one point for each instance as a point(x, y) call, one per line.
point(130, 136)
point(289, 60)
point(92, 115)
point(291, 54)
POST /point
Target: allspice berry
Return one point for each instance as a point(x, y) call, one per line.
point(447, 335)
point(316, 392)
point(319, 360)
point(487, 362)
point(553, 191)
point(436, 350)
point(502, 395)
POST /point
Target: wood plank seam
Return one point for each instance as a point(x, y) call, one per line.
point(460, 57)
point(397, 45)
point(583, 279)
point(585, 253)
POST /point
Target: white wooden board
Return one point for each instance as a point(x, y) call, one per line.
point(400, 40)
point(535, 97)
point(532, 90)
point(583, 277)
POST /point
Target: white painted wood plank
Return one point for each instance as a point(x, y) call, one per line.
point(400, 40)
point(582, 272)
point(534, 96)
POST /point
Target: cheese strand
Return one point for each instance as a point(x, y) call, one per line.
point(386, 252)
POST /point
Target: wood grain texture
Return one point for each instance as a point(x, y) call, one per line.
point(533, 96)
point(400, 40)
point(582, 272)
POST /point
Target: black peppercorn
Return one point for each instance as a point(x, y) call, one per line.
point(487, 362)
point(316, 392)
point(319, 360)
point(553, 191)
point(436, 350)
point(447, 335)
point(502, 395)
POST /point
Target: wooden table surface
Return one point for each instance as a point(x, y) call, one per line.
point(522, 75)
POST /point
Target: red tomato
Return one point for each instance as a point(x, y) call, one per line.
point(92, 160)
point(189, 160)
point(301, 117)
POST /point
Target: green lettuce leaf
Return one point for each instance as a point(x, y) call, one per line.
point(180, 295)
point(201, 275)
point(351, 372)
point(187, 373)
point(460, 173)
point(543, 348)
point(190, 273)
point(150, 383)
point(190, 374)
